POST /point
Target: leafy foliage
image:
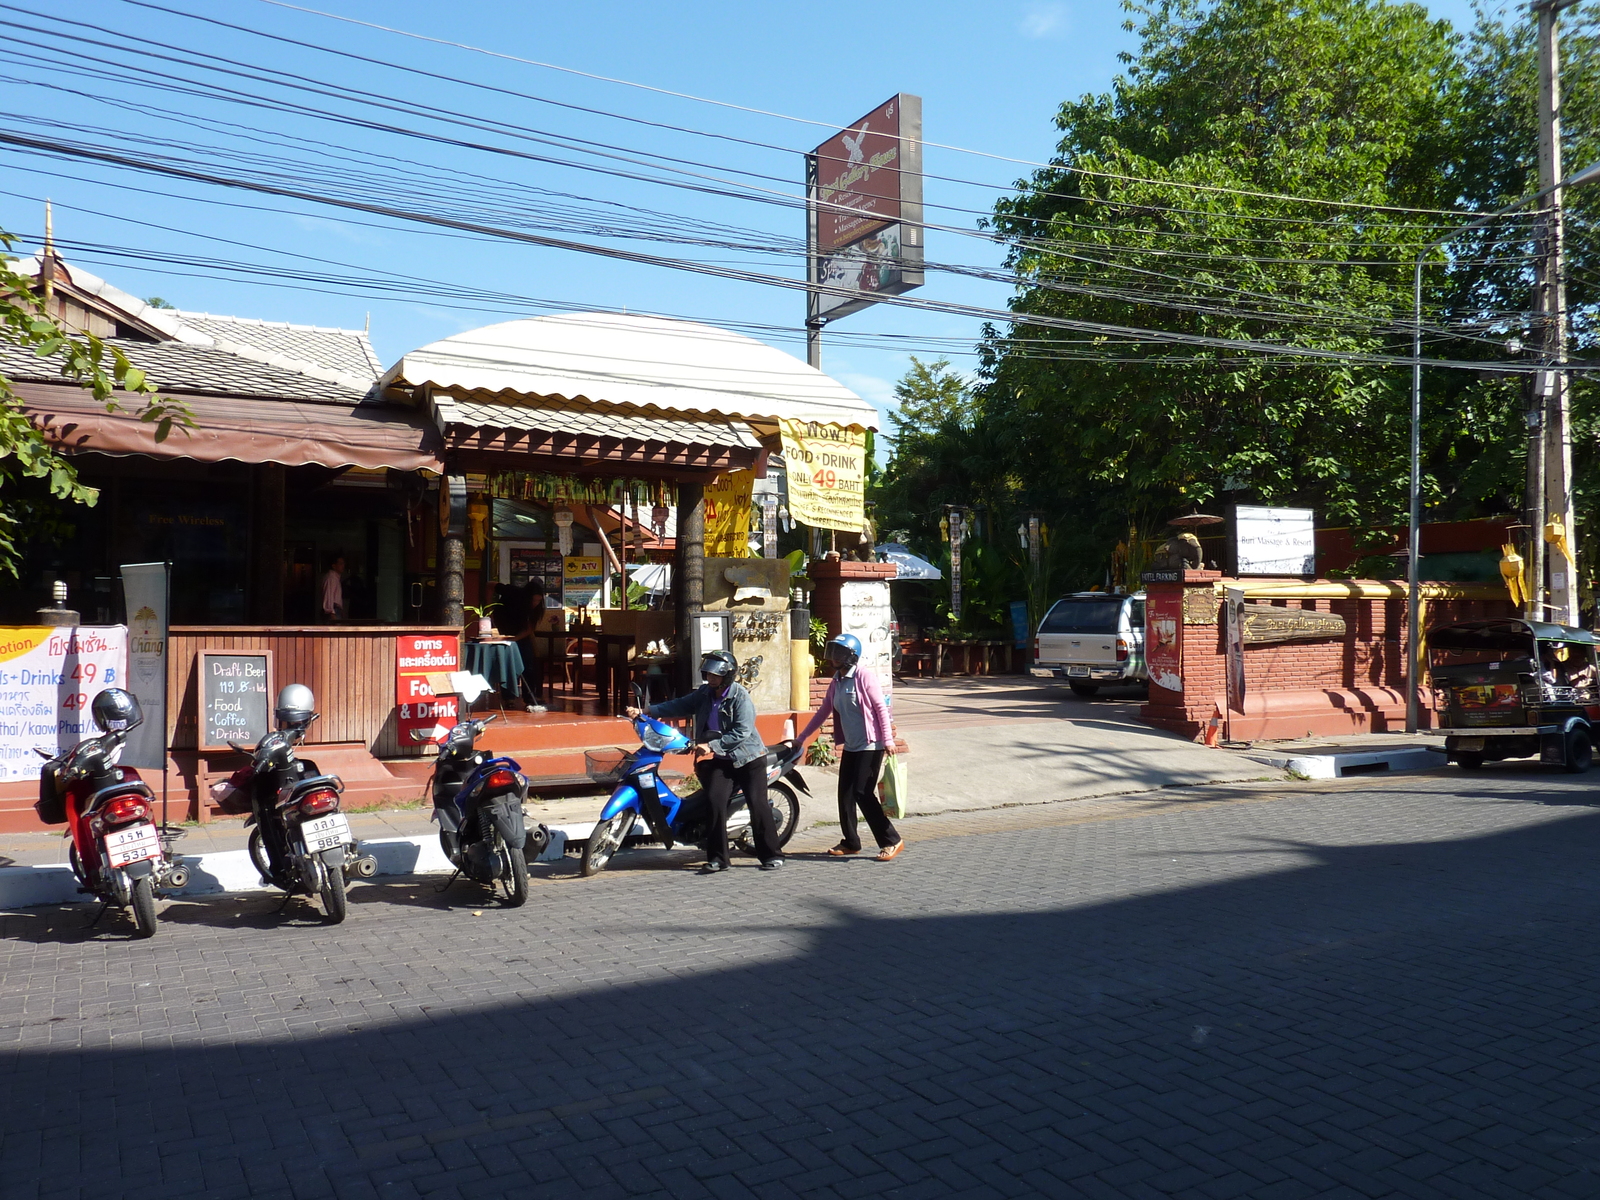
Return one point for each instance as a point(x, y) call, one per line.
point(25, 452)
point(1177, 204)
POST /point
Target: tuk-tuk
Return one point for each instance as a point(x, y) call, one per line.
point(1509, 688)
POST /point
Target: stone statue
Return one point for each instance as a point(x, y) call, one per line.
point(1181, 550)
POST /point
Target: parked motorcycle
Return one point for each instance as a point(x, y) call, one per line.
point(118, 853)
point(301, 841)
point(477, 800)
point(672, 819)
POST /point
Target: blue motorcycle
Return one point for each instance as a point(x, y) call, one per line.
point(673, 819)
point(477, 801)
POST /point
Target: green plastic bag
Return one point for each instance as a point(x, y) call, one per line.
point(893, 788)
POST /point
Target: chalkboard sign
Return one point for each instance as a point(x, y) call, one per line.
point(235, 697)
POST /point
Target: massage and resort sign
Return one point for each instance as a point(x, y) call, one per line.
point(826, 465)
point(49, 676)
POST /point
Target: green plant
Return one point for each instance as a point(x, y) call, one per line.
point(819, 636)
point(481, 610)
point(820, 753)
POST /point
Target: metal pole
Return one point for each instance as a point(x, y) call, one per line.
point(1414, 538)
point(1555, 479)
point(814, 319)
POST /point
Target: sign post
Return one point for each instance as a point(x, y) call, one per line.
point(864, 236)
point(147, 590)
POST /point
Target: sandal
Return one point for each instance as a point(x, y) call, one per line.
point(889, 852)
point(843, 850)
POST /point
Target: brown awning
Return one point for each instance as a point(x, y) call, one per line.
point(294, 433)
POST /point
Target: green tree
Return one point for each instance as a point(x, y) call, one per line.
point(25, 453)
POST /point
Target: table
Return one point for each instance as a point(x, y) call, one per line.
point(498, 662)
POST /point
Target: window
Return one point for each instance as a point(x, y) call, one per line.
point(1084, 616)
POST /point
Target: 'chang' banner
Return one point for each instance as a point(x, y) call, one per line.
point(48, 678)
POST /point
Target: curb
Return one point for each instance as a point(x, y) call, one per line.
point(1349, 763)
point(232, 870)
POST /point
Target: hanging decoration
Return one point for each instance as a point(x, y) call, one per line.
point(478, 523)
point(563, 519)
point(574, 489)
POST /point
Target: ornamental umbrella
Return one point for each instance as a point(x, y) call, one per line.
point(911, 567)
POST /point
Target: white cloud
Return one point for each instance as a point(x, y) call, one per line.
point(1044, 21)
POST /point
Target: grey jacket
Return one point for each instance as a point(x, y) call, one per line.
point(737, 739)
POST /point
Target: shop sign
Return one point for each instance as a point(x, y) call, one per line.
point(728, 515)
point(48, 679)
point(423, 664)
point(146, 589)
point(1163, 638)
point(581, 580)
point(1275, 541)
point(826, 466)
point(574, 489)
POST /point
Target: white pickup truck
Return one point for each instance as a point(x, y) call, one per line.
point(1093, 638)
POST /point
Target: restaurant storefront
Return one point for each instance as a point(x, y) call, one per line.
point(469, 467)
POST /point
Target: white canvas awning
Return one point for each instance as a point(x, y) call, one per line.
point(640, 361)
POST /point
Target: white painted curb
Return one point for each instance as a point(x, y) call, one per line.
point(1338, 766)
point(232, 870)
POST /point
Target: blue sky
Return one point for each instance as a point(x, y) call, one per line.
point(991, 78)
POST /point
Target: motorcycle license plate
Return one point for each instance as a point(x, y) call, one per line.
point(1077, 670)
point(647, 779)
point(324, 833)
point(132, 845)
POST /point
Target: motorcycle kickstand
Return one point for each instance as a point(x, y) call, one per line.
point(445, 886)
point(104, 904)
point(287, 896)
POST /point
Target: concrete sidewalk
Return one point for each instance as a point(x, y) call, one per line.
point(991, 742)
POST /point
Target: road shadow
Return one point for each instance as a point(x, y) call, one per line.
point(1331, 1017)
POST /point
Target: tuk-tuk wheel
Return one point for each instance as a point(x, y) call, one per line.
point(1580, 752)
point(1469, 760)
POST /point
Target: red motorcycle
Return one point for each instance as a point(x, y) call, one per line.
point(118, 853)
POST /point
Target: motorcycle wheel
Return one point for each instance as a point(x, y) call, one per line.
point(144, 908)
point(785, 817)
point(258, 856)
point(516, 877)
point(333, 896)
point(605, 841)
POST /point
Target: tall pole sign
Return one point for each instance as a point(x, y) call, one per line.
point(864, 236)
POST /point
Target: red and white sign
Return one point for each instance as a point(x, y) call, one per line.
point(1163, 638)
point(422, 661)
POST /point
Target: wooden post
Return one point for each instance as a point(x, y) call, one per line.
point(266, 544)
point(689, 574)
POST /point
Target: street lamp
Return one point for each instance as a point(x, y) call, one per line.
point(1589, 174)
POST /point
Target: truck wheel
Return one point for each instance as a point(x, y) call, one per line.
point(1079, 688)
point(1580, 752)
point(1469, 760)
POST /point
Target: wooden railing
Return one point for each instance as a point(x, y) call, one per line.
point(350, 668)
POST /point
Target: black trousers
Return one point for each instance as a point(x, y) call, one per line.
point(858, 788)
point(532, 670)
point(720, 778)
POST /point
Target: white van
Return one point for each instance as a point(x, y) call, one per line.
point(1091, 638)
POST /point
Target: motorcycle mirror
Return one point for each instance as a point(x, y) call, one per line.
point(638, 695)
point(486, 720)
point(45, 754)
point(237, 749)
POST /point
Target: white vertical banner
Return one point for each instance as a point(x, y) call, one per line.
point(145, 586)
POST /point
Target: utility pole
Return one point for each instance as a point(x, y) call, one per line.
point(1549, 498)
point(814, 321)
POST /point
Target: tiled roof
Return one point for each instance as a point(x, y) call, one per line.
point(631, 424)
point(344, 350)
point(184, 368)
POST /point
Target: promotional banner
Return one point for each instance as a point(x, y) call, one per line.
point(422, 660)
point(826, 465)
point(1163, 638)
point(145, 587)
point(956, 532)
point(48, 678)
point(728, 515)
point(581, 581)
point(1233, 634)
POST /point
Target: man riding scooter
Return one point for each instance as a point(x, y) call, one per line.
point(725, 728)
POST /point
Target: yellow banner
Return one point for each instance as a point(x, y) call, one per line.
point(728, 515)
point(827, 468)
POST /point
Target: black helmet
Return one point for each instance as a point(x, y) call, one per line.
point(718, 662)
point(296, 705)
point(116, 711)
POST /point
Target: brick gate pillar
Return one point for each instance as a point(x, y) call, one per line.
point(1183, 649)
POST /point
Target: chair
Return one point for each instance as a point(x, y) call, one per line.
point(613, 656)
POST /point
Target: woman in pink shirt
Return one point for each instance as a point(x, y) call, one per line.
point(862, 722)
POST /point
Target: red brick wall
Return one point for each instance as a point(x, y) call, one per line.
point(1353, 684)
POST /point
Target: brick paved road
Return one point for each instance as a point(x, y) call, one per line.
point(1327, 992)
